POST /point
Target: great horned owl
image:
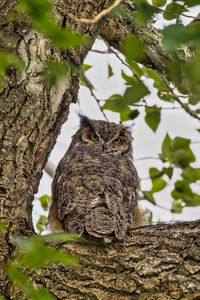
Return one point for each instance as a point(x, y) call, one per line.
point(95, 185)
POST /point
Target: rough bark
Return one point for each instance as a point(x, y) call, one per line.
point(31, 116)
point(154, 262)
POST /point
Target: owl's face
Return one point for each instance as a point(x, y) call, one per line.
point(105, 136)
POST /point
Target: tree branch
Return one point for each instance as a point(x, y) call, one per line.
point(152, 262)
point(185, 107)
point(95, 19)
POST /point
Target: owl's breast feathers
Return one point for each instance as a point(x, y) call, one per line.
point(96, 193)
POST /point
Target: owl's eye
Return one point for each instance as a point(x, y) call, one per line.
point(94, 137)
point(117, 140)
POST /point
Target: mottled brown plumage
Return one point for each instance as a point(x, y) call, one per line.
point(95, 185)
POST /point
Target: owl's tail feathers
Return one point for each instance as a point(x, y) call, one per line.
point(140, 217)
point(53, 223)
point(121, 226)
point(99, 221)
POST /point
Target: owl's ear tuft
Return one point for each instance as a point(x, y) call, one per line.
point(85, 121)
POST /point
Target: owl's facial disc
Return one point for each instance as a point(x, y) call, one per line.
point(89, 135)
point(107, 137)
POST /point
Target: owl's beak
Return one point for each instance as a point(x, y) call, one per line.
point(104, 147)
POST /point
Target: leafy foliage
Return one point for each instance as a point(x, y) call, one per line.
point(34, 254)
point(152, 117)
point(53, 71)
point(8, 61)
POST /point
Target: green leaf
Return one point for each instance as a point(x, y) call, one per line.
point(110, 72)
point(168, 171)
point(41, 223)
point(190, 174)
point(135, 93)
point(134, 114)
point(124, 115)
point(60, 237)
point(194, 99)
point(177, 34)
point(181, 152)
point(150, 218)
point(36, 8)
point(153, 172)
point(115, 103)
point(136, 68)
point(159, 2)
point(183, 192)
point(53, 71)
point(84, 81)
point(45, 200)
point(148, 196)
point(119, 11)
point(177, 151)
point(177, 206)
point(3, 225)
point(152, 117)
point(158, 184)
point(190, 3)
point(35, 255)
point(20, 279)
point(159, 84)
point(198, 130)
point(40, 11)
point(130, 80)
point(16, 274)
point(166, 145)
point(173, 10)
point(133, 49)
point(86, 67)
point(144, 11)
point(8, 61)
point(42, 294)
point(128, 114)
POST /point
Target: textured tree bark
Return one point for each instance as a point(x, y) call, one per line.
point(160, 262)
point(31, 116)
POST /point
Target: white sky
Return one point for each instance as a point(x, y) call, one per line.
point(146, 143)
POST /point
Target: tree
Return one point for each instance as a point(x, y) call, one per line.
point(40, 64)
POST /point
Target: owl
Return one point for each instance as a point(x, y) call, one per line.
point(94, 190)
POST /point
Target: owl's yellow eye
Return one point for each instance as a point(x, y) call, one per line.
point(94, 137)
point(117, 140)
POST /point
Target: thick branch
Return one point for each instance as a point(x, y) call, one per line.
point(153, 262)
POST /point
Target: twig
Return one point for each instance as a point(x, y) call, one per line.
point(147, 157)
point(180, 12)
point(185, 107)
point(173, 95)
point(154, 176)
point(96, 18)
point(110, 50)
point(171, 12)
point(93, 95)
point(153, 106)
point(100, 52)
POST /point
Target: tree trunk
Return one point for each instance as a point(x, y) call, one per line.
point(31, 116)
